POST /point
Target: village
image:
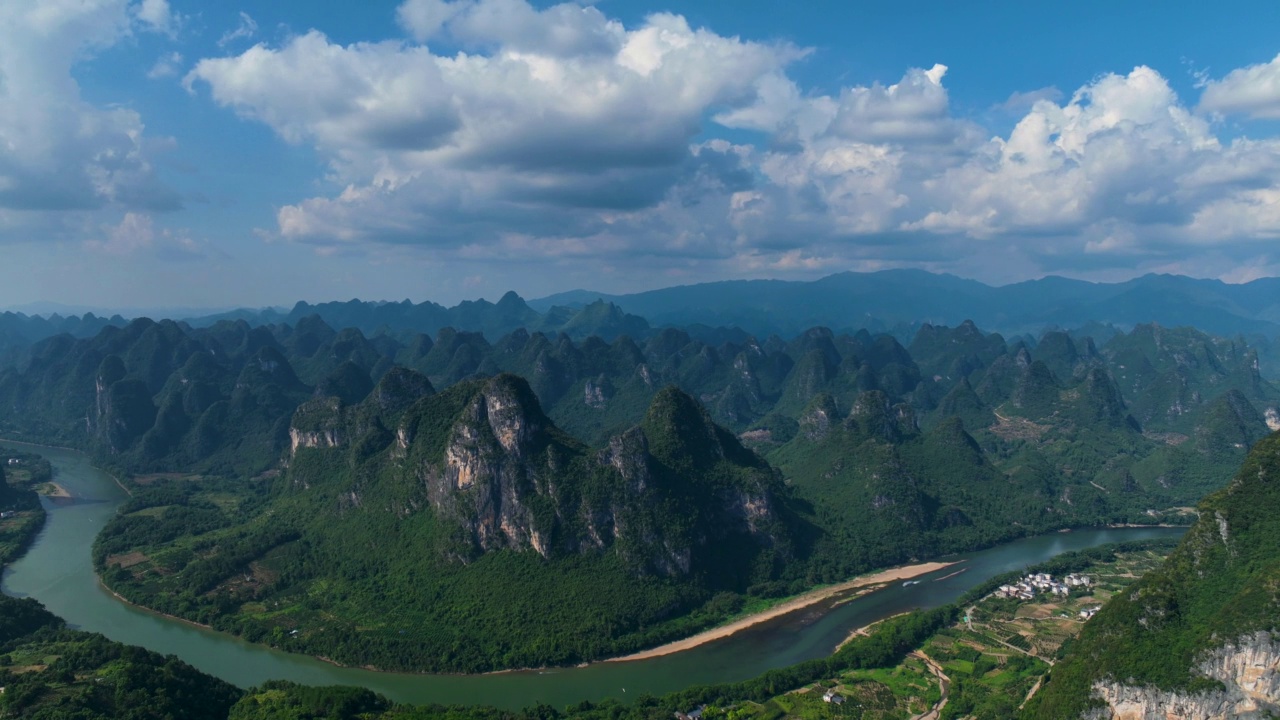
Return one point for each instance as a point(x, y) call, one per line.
point(1032, 585)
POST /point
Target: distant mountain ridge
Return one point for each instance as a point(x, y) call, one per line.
point(894, 301)
point(493, 320)
point(891, 297)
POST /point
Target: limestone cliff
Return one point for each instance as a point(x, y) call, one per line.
point(1248, 669)
point(673, 496)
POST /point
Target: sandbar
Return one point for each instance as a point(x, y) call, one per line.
point(800, 601)
point(56, 491)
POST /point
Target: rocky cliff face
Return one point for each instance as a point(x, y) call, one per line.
point(494, 467)
point(670, 496)
point(512, 481)
point(1249, 670)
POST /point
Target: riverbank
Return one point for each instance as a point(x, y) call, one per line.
point(1141, 525)
point(866, 630)
point(812, 597)
point(157, 613)
point(79, 451)
point(54, 491)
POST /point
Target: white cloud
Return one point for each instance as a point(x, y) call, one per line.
point(134, 232)
point(245, 30)
point(58, 153)
point(554, 136)
point(1252, 91)
point(913, 110)
point(561, 133)
point(157, 16)
point(365, 96)
point(423, 19)
point(1117, 151)
point(137, 233)
point(1019, 103)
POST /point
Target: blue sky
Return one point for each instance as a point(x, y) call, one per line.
point(165, 153)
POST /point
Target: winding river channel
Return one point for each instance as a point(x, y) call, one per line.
point(58, 572)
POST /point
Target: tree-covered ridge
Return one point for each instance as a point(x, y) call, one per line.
point(462, 530)
point(168, 397)
point(51, 672)
point(334, 458)
point(457, 479)
point(1218, 586)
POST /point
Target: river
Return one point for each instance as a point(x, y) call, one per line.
point(58, 572)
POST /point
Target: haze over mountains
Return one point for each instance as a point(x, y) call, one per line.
point(897, 301)
point(893, 297)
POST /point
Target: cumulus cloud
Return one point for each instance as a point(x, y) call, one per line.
point(423, 19)
point(570, 123)
point(59, 153)
point(1252, 91)
point(562, 133)
point(157, 16)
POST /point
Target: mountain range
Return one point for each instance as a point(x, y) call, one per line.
point(895, 301)
point(279, 463)
point(890, 298)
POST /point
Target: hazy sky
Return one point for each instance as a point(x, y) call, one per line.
point(217, 153)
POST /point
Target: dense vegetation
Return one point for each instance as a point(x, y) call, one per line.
point(49, 671)
point(299, 500)
point(549, 555)
point(885, 647)
point(20, 474)
point(362, 497)
point(1216, 587)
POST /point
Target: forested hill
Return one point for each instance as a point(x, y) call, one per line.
point(462, 531)
point(1198, 636)
point(546, 463)
point(19, 331)
point(493, 320)
point(167, 397)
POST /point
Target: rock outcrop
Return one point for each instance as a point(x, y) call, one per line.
point(1249, 670)
point(672, 496)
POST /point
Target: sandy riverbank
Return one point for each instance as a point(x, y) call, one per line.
point(802, 601)
point(1139, 525)
point(54, 490)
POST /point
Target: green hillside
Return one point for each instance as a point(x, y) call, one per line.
point(1216, 587)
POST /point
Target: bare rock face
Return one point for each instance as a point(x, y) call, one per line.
point(1249, 670)
point(330, 438)
point(493, 467)
point(671, 497)
point(628, 454)
point(594, 393)
point(817, 420)
point(874, 416)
